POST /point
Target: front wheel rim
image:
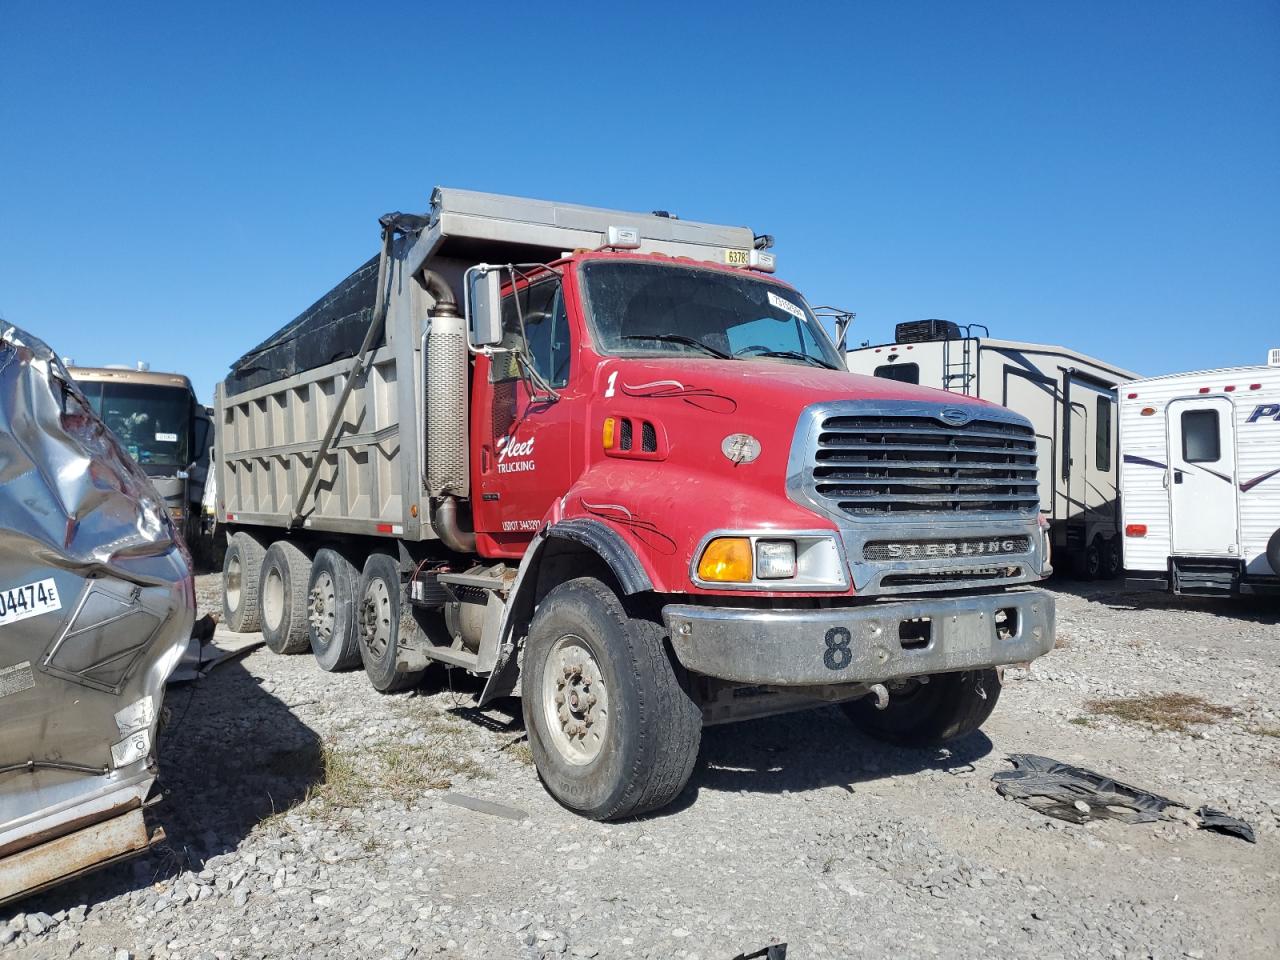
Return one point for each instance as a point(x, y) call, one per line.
point(575, 700)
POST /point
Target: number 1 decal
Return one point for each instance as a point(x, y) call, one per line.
point(608, 390)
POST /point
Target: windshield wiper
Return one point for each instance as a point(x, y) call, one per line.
point(681, 338)
point(797, 355)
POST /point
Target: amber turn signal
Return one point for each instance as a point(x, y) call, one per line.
point(726, 560)
point(606, 435)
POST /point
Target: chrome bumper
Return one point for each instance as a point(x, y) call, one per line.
point(860, 643)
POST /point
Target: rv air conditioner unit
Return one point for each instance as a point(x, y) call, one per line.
point(1273, 357)
point(920, 331)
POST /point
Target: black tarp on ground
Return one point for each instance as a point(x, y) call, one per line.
point(330, 329)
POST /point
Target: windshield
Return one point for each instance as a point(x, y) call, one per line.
point(152, 422)
point(650, 308)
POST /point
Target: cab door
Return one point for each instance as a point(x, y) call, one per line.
point(523, 424)
point(1202, 477)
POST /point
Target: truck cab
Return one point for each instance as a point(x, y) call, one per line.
point(638, 490)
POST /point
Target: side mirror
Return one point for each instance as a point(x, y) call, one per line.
point(484, 305)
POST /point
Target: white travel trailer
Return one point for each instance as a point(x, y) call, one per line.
point(1069, 399)
point(1200, 480)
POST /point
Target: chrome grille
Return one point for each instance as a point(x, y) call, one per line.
point(873, 465)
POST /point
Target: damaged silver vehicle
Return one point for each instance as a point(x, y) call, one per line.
point(96, 608)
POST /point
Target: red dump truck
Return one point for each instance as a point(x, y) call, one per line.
point(609, 463)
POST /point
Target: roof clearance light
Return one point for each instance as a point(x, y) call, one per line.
point(1255, 386)
point(764, 262)
point(1230, 388)
point(1148, 411)
point(1133, 396)
point(1136, 530)
point(622, 238)
point(1204, 389)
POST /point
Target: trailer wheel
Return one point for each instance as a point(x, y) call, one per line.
point(612, 729)
point(1273, 553)
point(381, 599)
point(241, 570)
point(1112, 558)
point(282, 596)
point(1093, 560)
point(332, 610)
point(949, 706)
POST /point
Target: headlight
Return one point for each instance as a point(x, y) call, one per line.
point(775, 559)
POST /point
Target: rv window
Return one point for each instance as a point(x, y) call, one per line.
point(1103, 453)
point(904, 372)
point(1200, 442)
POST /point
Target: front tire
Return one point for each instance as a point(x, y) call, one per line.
point(333, 611)
point(949, 706)
point(241, 573)
point(612, 730)
point(381, 603)
point(283, 597)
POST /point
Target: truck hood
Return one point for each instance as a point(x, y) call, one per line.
point(779, 387)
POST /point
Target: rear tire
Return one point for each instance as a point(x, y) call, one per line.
point(381, 603)
point(333, 611)
point(282, 596)
point(612, 730)
point(241, 573)
point(949, 706)
point(1273, 553)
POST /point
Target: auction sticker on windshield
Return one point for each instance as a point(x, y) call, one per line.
point(785, 305)
point(28, 600)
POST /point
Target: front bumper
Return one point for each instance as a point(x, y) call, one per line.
point(862, 644)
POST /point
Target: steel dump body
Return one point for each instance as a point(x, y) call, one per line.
point(375, 479)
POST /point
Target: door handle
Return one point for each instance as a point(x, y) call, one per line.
point(1177, 476)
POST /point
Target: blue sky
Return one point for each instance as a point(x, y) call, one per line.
point(177, 180)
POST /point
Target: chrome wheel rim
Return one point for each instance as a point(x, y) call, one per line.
point(575, 700)
point(323, 609)
point(273, 599)
point(375, 619)
point(233, 577)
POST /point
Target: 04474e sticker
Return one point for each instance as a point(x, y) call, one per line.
point(28, 600)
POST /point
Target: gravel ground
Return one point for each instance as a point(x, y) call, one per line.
point(307, 816)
